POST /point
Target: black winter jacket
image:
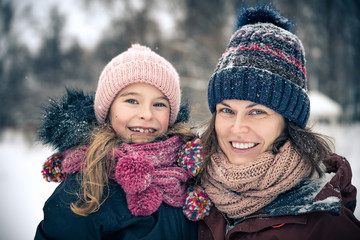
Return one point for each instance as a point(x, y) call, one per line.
point(112, 221)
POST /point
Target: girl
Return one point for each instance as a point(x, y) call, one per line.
point(121, 180)
point(267, 175)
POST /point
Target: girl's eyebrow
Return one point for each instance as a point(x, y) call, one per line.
point(163, 98)
point(124, 94)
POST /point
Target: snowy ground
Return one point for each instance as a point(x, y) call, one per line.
point(23, 190)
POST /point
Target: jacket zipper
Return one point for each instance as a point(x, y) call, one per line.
point(230, 226)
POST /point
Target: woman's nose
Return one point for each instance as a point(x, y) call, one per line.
point(240, 125)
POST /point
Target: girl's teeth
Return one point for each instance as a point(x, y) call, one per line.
point(142, 130)
point(243, 145)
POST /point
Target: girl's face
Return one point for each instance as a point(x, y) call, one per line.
point(140, 113)
point(245, 129)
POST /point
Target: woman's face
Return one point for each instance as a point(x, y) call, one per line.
point(140, 113)
point(245, 129)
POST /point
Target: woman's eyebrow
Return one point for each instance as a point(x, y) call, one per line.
point(252, 105)
point(226, 105)
point(249, 106)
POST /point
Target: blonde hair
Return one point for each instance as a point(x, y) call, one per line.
point(98, 163)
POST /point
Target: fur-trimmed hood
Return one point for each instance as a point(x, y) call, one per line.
point(68, 121)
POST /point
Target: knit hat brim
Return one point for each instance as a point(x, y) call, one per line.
point(262, 87)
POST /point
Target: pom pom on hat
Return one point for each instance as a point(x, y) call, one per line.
point(264, 13)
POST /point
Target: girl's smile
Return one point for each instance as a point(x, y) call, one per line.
point(142, 130)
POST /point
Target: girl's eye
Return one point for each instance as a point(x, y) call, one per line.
point(226, 110)
point(160, 105)
point(131, 101)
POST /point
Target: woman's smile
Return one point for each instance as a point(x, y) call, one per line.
point(243, 146)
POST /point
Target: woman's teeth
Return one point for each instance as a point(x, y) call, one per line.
point(243, 146)
point(142, 130)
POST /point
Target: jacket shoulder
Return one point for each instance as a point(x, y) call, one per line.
point(341, 181)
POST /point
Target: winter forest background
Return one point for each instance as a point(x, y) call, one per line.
point(47, 46)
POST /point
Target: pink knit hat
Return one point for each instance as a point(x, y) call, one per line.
point(137, 65)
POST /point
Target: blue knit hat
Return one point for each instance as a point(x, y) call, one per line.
point(263, 63)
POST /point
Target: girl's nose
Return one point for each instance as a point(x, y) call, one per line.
point(145, 113)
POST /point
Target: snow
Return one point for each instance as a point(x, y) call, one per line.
point(329, 200)
point(322, 105)
point(24, 191)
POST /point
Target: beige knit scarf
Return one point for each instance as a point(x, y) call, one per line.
point(239, 191)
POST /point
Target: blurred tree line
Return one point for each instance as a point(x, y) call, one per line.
point(329, 29)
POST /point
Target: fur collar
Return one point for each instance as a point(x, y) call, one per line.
point(304, 198)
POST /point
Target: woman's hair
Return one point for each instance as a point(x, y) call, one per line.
point(98, 163)
point(312, 147)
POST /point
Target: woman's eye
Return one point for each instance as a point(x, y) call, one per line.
point(131, 101)
point(226, 110)
point(257, 112)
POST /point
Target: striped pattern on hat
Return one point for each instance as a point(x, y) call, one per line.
point(137, 65)
point(265, 64)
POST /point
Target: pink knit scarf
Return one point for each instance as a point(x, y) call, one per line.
point(147, 172)
point(241, 190)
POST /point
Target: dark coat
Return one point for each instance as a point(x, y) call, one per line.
point(112, 221)
point(311, 210)
point(66, 124)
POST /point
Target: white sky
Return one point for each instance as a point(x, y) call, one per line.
point(84, 24)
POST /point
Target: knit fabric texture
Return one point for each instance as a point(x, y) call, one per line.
point(241, 190)
point(137, 65)
point(263, 63)
point(148, 173)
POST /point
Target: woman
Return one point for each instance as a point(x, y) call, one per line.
point(267, 175)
